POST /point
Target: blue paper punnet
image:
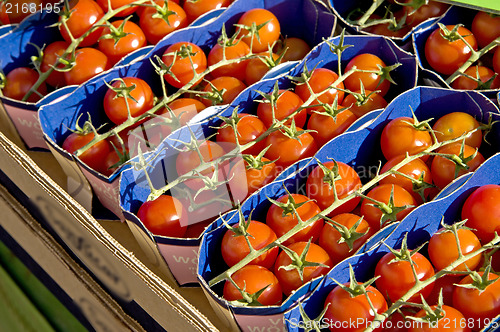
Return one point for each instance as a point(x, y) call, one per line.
point(418, 226)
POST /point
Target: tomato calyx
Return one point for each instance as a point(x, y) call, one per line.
point(292, 131)
point(241, 228)
point(162, 12)
point(347, 235)
point(330, 175)
point(123, 91)
point(480, 84)
point(248, 299)
point(356, 288)
point(432, 316)
point(215, 95)
point(452, 35)
point(479, 280)
point(256, 162)
point(115, 33)
point(272, 98)
point(419, 186)
point(253, 30)
point(290, 207)
point(299, 263)
point(404, 254)
point(459, 160)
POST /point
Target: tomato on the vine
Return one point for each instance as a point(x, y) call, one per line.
point(370, 81)
point(373, 102)
point(257, 67)
point(267, 34)
point(294, 48)
point(248, 128)
point(286, 150)
point(321, 81)
point(196, 8)
point(93, 157)
point(325, 127)
point(83, 15)
point(88, 63)
point(19, 81)
point(485, 27)
point(172, 17)
point(287, 103)
point(424, 12)
point(225, 89)
point(257, 176)
point(235, 50)
point(19, 10)
point(452, 320)
point(180, 63)
point(481, 73)
point(132, 39)
point(482, 211)
point(115, 4)
point(50, 55)
point(184, 109)
point(456, 124)
point(164, 216)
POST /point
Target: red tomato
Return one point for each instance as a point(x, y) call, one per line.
point(50, 55)
point(479, 72)
point(446, 57)
point(112, 162)
point(443, 249)
point(400, 137)
point(139, 102)
point(343, 308)
point(455, 124)
point(84, 14)
point(181, 64)
point(482, 211)
point(396, 277)
point(480, 306)
point(295, 49)
point(184, 109)
point(257, 67)
point(257, 176)
point(235, 247)
point(133, 39)
point(172, 17)
point(196, 8)
point(323, 191)
point(496, 60)
point(382, 193)
point(253, 278)
point(288, 102)
point(446, 285)
point(389, 29)
point(88, 63)
point(443, 170)
point(371, 81)
point(229, 86)
point(94, 156)
point(115, 4)
point(424, 12)
point(19, 81)
point(330, 236)
point(249, 128)
point(282, 221)
point(164, 216)
point(17, 10)
point(231, 52)
point(326, 127)
point(268, 34)
point(360, 108)
point(4, 16)
point(485, 27)
point(291, 280)
point(452, 321)
point(286, 150)
point(321, 79)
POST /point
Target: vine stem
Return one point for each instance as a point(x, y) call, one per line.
point(370, 11)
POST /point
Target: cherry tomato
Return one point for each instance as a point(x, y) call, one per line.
point(371, 81)
point(320, 189)
point(321, 79)
point(19, 81)
point(496, 60)
point(155, 28)
point(50, 55)
point(485, 27)
point(288, 102)
point(112, 162)
point(343, 308)
point(452, 321)
point(290, 280)
point(257, 176)
point(181, 64)
point(445, 285)
point(196, 8)
point(88, 63)
point(249, 128)
point(295, 49)
point(443, 170)
point(115, 4)
point(231, 52)
point(282, 223)
point(164, 216)
point(388, 29)
point(456, 124)
point(115, 50)
point(17, 10)
point(234, 247)
point(94, 156)
point(479, 72)
point(253, 278)
point(373, 102)
point(482, 211)
point(228, 85)
point(184, 109)
point(257, 67)
point(268, 34)
point(326, 127)
point(83, 15)
point(330, 237)
point(286, 150)
point(480, 306)
point(382, 193)
point(424, 12)
point(400, 136)
point(396, 276)
point(446, 57)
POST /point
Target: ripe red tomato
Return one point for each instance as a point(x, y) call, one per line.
point(455, 124)
point(452, 321)
point(196, 8)
point(182, 108)
point(321, 79)
point(112, 162)
point(94, 157)
point(482, 211)
point(249, 128)
point(282, 221)
point(253, 278)
point(290, 280)
point(235, 247)
point(164, 216)
point(330, 236)
point(480, 306)
point(83, 15)
point(115, 50)
point(424, 12)
point(50, 55)
point(288, 102)
point(446, 285)
point(496, 60)
point(228, 85)
point(479, 72)
point(382, 193)
point(268, 34)
point(14, 11)
point(323, 191)
point(443, 170)
point(343, 308)
point(446, 57)
point(231, 52)
point(485, 27)
point(443, 249)
point(257, 67)
point(400, 137)
point(295, 49)
point(88, 63)
point(139, 102)
point(286, 150)
point(257, 176)
point(172, 17)
point(371, 81)
point(19, 81)
point(115, 4)
point(373, 102)
point(388, 29)
point(326, 127)
point(396, 277)
point(181, 64)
